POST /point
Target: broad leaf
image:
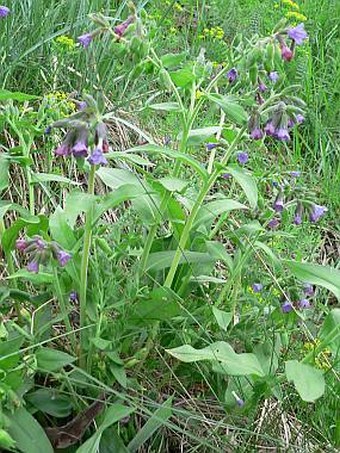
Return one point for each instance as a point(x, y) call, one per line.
point(213, 209)
point(231, 363)
point(61, 231)
point(330, 331)
point(198, 136)
point(183, 77)
point(308, 381)
point(4, 166)
point(47, 177)
point(223, 318)
point(6, 95)
point(230, 105)
point(49, 359)
point(161, 260)
point(166, 106)
point(247, 183)
point(50, 402)
point(173, 184)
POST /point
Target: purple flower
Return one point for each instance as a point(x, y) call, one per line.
point(33, 266)
point(40, 244)
point(97, 158)
point(73, 296)
point(295, 173)
point(257, 287)
point(81, 105)
point(242, 157)
point(286, 53)
point(317, 212)
point(63, 258)
point(290, 123)
point(232, 75)
point(256, 133)
point(79, 149)
point(270, 128)
point(273, 223)
point(239, 401)
point(262, 87)
point(4, 11)
point(308, 289)
point(297, 218)
point(304, 303)
point(20, 244)
point(211, 146)
point(48, 130)
point(273, 76)
point(286, 307)
point(279, 202)
point(300, 118)
point(120, 29)
point(63, 150)
point(85, 40)
point(282, 134)
point(226, 176)
point(298, 34)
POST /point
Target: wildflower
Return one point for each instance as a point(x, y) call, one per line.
point(286, 307)
point(65, 148)
point(232, 75)
point(262, 87)
point(242, 157)
point(239, 401)
point(85, 40)
point(256, 134)
point(65, 42)
point(97, 158)
point(120, 29)
point(317, 212)
point(48, 130)
point(226, 176)
point(304, 303)
point(273, 76)
point(79, 149)
point(100, 138)
point(308, 289)
point(298, 214)
point(20, 244)
point(4, 11)
point(296, 15)
point(33, 266)
point(269, 128)
point(282, 134)
point(73, 296)
point(298, 34)
point(81, 105)
point(286, 53)
point(211, 146)
point(279, 202)
point(290, 123)
point(273, 223)
point(300, 118)
point(295, 173)
point(63, 258)
point(257, 287)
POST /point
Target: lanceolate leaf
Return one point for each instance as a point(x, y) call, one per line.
point(308, 381)
point(231, 363)
point(213, 209)
point(230, 106)
point(325, 276)
point(160, 260)
point(247, 183)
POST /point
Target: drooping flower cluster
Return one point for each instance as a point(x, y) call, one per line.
point(40, 252)
point(297, 35)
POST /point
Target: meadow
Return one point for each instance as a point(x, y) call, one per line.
point(169, 226)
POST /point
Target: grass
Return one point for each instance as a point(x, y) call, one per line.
point(204, 417)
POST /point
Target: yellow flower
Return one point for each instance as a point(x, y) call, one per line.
point(198, 94)
point(291, 4)
point(173, 30)
point(178, 7)
point(296, 15)
point(65, 42)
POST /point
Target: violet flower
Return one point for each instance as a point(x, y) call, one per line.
point(304, 303)
point(282, 134)
point(81, 105)
point(286, 307)
point(79, 149)
point(262, 87)
point(298, 34)
point(85, 40)
point(273, 224)
point(286, 53)
point(257, 287)
point(232, 75)
point(211, 146)
point(20, 244)
point(269, 128)
point(295, 173)
point(73, 296)
point(300, 118)
point(4, 11)
point(226, 176)
point(33, 266)
point(298, 214)
point(256, 133)
point(317, 212)
point(291, 123)
point(65, 148)
point(308, 289)
point(97, 157)
point(63, 258)
point(278, 204)
point(239, 401)
point(273, 76)
point(242, 157)
point(121, 29)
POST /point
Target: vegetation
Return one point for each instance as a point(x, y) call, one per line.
point(169, 237)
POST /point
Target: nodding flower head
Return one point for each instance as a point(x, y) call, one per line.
point(256, 133)
point(254, 129)
point(211, 146)
point(33, 266)
point(121, 29)
point(97, 157)
point(273, 76)
point(298, 34)
point(299, 118)
point(308, 289)
point(286, 307)
point(257, 287)
point(63, 257)
point(303, 304)
point(262, 87)
point(282, 134)
point(65, 148)
point(273, 224)
point(79, 148)
point(4, 11)
point(21, 244)
point(317, 212)
point(279, 202)
point(242, 157)
point(269, 128)
point(100, 138)
point(286, 53)
point(85, 40)
point(232, 75)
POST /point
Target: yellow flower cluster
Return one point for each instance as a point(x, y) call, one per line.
point(291, 4)
point(198, 94)
point(322, 360)
point(65, 42)
point(177, 6)
point(296, 15)
point(214, 33)
point(57, 95)
point(60, 96)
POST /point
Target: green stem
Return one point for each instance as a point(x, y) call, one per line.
point(84, 271)
point(63, 308)
point(190, 221)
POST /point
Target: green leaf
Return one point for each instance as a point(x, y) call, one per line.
point(161, 260)
point(6, 95)
point(116, 177)
point(183, 77)
point(4, 166)
point(158, 418)
point(330, 331)
point(61, 230)
point(217, 250)
point(315, 274)
point(6, 442)
point(166, 106)
point(76, 203)
point(50, 402)
point(49, 359)
point(173, 184)
point(172, 60)
point(231, 363)
point(230, 105)
point(308, 381)
point(247, 183)
point(38, 279)
point(223, 318)
point(213, 209)
point(27, 433)
point(198, 136)
point(112, 415)
point(47, 177)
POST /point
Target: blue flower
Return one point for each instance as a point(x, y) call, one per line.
point(286, 307)
point(85, 40)
point(97, 157)
point(298, 34)
point(257, 287)
point(242, 157)
point(4, 11)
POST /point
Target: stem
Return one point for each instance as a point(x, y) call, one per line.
point(63, 308)
point(84, 270)
point(190, 221)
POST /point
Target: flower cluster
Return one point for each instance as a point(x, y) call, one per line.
point(303, 303)
point(86, 39)
point(65, 42)
point(40, 252)
point(297, 35)
point(213, 33)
